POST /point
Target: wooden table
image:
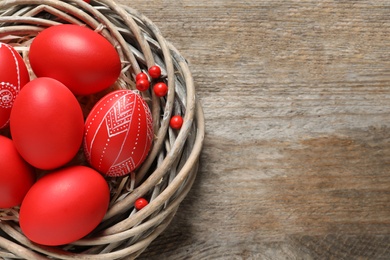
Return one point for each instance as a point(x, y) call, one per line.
point(296, 161)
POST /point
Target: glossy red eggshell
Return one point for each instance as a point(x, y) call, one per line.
point(16, 176)
point(118, 133)
point(47, 124)
point(64, 206)
point(77, 56)
point(13, 76)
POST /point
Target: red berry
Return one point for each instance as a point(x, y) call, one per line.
point(141, 75)
point(140, 203)
point(142, 84)
point(155, 72)
point(176, 122)
point(160, 89)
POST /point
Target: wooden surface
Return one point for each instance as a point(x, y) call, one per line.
point(296, 161)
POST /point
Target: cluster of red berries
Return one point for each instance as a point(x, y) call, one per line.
point(142, 81)
point(160, 89)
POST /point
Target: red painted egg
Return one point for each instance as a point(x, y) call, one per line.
point(47, 123)
point(13, 76)
point(118, 133)
point(64, 206)
point(16, 176)
point(77, 56)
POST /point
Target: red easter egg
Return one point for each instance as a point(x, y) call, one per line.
point(64, 206)
point(13, 76)
point(16, 176)
point(80, 58)
point(118, 133)
point(47, 123)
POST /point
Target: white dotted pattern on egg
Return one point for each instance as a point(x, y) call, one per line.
point(11, 79)
point(9, 91)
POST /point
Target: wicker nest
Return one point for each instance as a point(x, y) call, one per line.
point(169, 171)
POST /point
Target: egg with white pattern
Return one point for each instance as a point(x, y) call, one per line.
point(13, 76)
point(118, 133)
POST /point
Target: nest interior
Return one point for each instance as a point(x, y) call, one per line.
point(169, 171)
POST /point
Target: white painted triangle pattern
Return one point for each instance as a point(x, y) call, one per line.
point(119, 117)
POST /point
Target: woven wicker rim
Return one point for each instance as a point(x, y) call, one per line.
point(170, 169)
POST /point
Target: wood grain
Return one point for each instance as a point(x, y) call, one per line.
point(296, 163)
